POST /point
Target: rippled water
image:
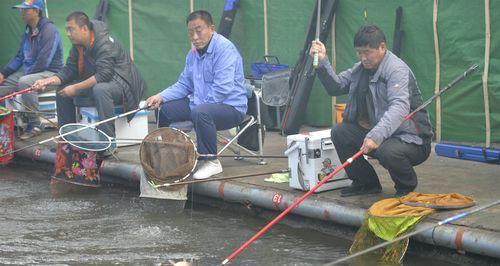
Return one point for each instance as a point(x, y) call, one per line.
point(115, 226)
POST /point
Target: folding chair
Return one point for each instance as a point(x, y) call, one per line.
point(231, 143)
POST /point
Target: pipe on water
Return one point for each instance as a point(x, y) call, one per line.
point(472, 240)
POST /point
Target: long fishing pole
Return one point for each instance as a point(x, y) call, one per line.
point(338, 169)
point(318, 27)
point(445, 221)
point(36, 113)
point(76, 130)
point(220, 178)
point(14, 94)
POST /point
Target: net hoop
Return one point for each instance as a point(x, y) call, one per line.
point(154, 162)
point(102, 140)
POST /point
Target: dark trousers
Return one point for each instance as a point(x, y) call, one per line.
point(103, 96)
point(396, 156)
point(207, 120)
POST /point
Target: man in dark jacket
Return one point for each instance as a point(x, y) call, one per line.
point(40, 55)
point(98, 72)
point(382, 92)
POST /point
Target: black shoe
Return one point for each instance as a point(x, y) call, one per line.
point(360, 190)
point(402, 192)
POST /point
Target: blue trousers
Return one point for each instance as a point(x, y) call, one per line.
point(207, 120)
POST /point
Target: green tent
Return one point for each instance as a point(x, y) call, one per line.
point(155, 32)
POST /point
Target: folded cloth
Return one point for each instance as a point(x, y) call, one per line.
point(278, 178)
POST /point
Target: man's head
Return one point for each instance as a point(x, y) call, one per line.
point(200, 28)
point(370, 45)
point(78, 28)
point(31, 10)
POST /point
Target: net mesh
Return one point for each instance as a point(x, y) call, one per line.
point(386, 220)
point(87, 138)
point(167, 155)
point(390, 218)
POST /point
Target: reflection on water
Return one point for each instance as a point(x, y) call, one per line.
point(115, 226)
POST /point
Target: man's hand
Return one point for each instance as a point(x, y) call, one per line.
point(318, 47)
point(69, 91)
point(368, 146)
point(154, 101)
point(2, 78)
point(43, 83)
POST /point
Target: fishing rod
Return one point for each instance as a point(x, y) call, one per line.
point(14, 94)
point(445, 221)
point(35, 112)
point(76, 130)
point(318, 28)
point(220, 178)
point(338, 169)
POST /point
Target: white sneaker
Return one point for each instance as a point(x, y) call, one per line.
point(208, 169)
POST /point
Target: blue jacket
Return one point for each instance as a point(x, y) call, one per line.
point(41, 51)
point(215, 77)
point(395, 94)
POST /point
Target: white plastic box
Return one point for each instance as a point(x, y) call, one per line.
point(311, 157)
point(136, 129)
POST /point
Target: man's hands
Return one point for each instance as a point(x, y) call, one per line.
point(318, 47)
point(2, 78)
point(68, 91)
point(154, 101)
point(43, 83)
point(368, 146)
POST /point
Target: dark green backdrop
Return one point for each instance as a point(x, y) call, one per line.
point(161, 43)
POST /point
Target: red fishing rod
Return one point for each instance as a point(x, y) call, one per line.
point(338, 169)
point(14, 94)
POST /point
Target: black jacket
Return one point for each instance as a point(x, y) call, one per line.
point(109, 59)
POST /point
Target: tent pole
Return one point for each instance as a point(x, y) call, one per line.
point(334, 65)
point(130, 30)
point(266, 36)
point(486, 70)
point(438, 71)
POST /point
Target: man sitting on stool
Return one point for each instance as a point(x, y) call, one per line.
point(209, 91)
point(39, 56)
point(382, 92)
point(97, 69)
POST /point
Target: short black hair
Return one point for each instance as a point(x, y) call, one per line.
point(200, 14)
point(81, 19)
point(369, 35)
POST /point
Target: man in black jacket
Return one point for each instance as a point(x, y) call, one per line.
point(98, 72)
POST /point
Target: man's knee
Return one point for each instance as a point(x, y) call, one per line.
point(100, 90)
point(388, 155)
point(201, 110)
point(28, 80)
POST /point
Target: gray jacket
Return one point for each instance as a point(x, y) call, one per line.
point(394, 92)
point(110, 60)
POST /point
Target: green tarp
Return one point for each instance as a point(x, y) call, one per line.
point(161, 43)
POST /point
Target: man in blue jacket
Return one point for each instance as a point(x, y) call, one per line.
point(209, 91)
point(382, 91)
point(40, 56)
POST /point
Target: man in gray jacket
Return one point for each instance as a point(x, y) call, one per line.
point(382, 91)
point(98, 72)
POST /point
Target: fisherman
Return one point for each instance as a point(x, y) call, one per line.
point(98, 72)
point(40, 55)
point(382, 91)
point(209, 91)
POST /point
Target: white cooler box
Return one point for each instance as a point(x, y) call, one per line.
point(311, 158)
point(136, 129)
